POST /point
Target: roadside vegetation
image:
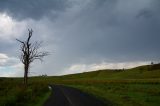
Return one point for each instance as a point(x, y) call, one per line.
point(125, 94)
point(138, 86)
point(133, 87)
point(13, 93)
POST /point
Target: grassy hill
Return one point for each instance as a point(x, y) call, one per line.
point(139, 86)
point(141, 72)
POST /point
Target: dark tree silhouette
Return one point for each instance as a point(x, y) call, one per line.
point(29, 53)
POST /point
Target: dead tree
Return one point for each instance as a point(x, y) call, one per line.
point(29, 53)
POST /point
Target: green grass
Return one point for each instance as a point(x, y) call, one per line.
point(13, 93)
point(125, 94)
point(142, 72)
point(41, 99)
point(138, 86)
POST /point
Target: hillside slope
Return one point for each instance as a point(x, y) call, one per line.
point(141, 72)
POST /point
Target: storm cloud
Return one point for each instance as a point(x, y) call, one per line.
point(85, 34)
point(22, 9)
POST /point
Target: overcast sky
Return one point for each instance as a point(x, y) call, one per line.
point(81, 35)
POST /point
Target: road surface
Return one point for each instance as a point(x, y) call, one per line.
point(67, 96)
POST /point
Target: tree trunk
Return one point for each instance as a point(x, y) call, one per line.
point(26, 67)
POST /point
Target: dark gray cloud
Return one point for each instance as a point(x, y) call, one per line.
point(115, 31)
point(144, 14)
point(22, 9)
point(93, 31)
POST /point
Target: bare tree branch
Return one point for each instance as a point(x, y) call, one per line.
point(29, 53)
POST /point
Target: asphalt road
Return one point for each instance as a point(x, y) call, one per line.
point(67, 96)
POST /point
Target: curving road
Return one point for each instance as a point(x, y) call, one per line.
point(67, 96)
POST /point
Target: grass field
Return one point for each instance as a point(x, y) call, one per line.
point(125, 94)
point(13, 93)
point(131, 87)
